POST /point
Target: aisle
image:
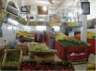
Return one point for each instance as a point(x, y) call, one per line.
point(83, 67)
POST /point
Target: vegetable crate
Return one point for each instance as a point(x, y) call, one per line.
point(12, 59)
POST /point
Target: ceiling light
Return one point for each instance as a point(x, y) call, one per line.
point(52, 1)
point(44, 8)
point(45, 2)
point(56, 28)
point(9, 27)
point(70, 15)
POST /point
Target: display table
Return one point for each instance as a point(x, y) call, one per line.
point(42, 56)
point(73, 54)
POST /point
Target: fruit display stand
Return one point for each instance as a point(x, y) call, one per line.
point(72, 50)
point(73, 53)
point(91, 38)
point(77, 55)
point(92, 46)
point(40, 52)
point(61, 52)
point(42, 56)
point(12, 59)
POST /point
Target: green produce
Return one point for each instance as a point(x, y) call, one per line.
point(72, 24)
point(70, 42)
point(94, 36)
point(61, 36)
point(38, 47)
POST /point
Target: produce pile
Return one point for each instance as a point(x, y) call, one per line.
point(23, 33)
point(61, 36)
point(72, 42)
point(39, 47)
point(68, 41)
point(91, 35)
point(72, 24)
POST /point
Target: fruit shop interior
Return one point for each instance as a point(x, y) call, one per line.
point(48, 35)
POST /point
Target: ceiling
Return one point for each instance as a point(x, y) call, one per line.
point(58, 6)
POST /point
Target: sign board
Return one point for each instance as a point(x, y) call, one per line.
point(85, 7)
point(25, 9)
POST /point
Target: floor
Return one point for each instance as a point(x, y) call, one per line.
point(83, 67)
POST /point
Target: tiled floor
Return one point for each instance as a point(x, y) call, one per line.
point(83, 67)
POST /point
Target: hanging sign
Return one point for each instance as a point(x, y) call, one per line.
point(85, 7)
point(25, 9)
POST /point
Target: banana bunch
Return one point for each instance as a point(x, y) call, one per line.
point(23, 33)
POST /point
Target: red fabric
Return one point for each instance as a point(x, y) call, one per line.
point(92, 42)
point(60, 50)
point(92, 47)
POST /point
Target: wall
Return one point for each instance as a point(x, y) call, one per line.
point(92, 9)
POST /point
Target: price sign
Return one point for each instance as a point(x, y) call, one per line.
point(85, 7)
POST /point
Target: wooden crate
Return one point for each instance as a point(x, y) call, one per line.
point(7, 61)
